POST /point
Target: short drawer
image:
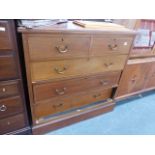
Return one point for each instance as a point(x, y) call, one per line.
point(10, 106)
point(12, 123)
point(62, 104)
point(101, 46)
point(9, 88)
point(67, 87)
point(5, 36)
point(58, 46)
point(78, 67)
point(8, 67)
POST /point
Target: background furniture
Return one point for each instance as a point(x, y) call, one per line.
point(139, 73)
point(13, 113)
point(72, 72)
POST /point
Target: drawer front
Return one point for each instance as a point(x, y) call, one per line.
point(101, 46)
point(8, 67)
point(5, 36)
point(49, 107)
point(68, 87)
point(58, 46)
point(10, 106)
point(12, 123)
point(9, 88)
point(77, 67)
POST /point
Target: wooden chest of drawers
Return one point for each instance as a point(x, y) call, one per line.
point(13, 113)
point(72, 72)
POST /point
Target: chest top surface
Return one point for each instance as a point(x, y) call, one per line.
point(70, 27)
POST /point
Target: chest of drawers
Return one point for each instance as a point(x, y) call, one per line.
point(72, 71)
point(13, 113)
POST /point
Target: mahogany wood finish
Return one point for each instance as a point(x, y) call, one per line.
point(58, 46)
point(73, 117)
point(46, 90)
point(10, 106)
point(12, 123)
point(9, 88)
point(13, 112)
point(5, 36)
point(69, 67)
point(45, 108)
point(8, 67)
point(74, 68)
point(134, 77)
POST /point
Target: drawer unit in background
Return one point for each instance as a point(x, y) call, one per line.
point(69, 68)
point(9, 88)
point(10, 124)
point(5, 36)
point(13, 110)
point(10, 106)
point(8, 68)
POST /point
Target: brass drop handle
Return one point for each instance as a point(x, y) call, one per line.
point(61, 92)
point(60, 70)
point(103, 82)
point(62, 48)
point(113, 47)
point(57, 105)
point(108, 65)
point(3, 108)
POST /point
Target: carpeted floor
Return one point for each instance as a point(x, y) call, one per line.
point(135, 116)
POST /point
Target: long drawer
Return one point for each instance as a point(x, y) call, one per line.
point(5, 36)
point(8, 68)
point(78, 67)
point(10, 106)
point(110, 45)
point(9, 88)
point(49, 107)
point(12, 123)
point(48, 90)
point(43, 46)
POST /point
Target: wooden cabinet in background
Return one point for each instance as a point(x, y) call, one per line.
point(139, 73)
point(137, 77)
point(13, 109)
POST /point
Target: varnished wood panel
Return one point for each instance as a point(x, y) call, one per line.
point(72, 117)
point(8, 68)
point(12, 123)
point(10, 106)
point(78, 67)
point(110, 45)
point(9, 88)
point(48, 90)
point(49, 107)
point(133, 78)
point(151, 77)
point(5, 36)
point(58, 46)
